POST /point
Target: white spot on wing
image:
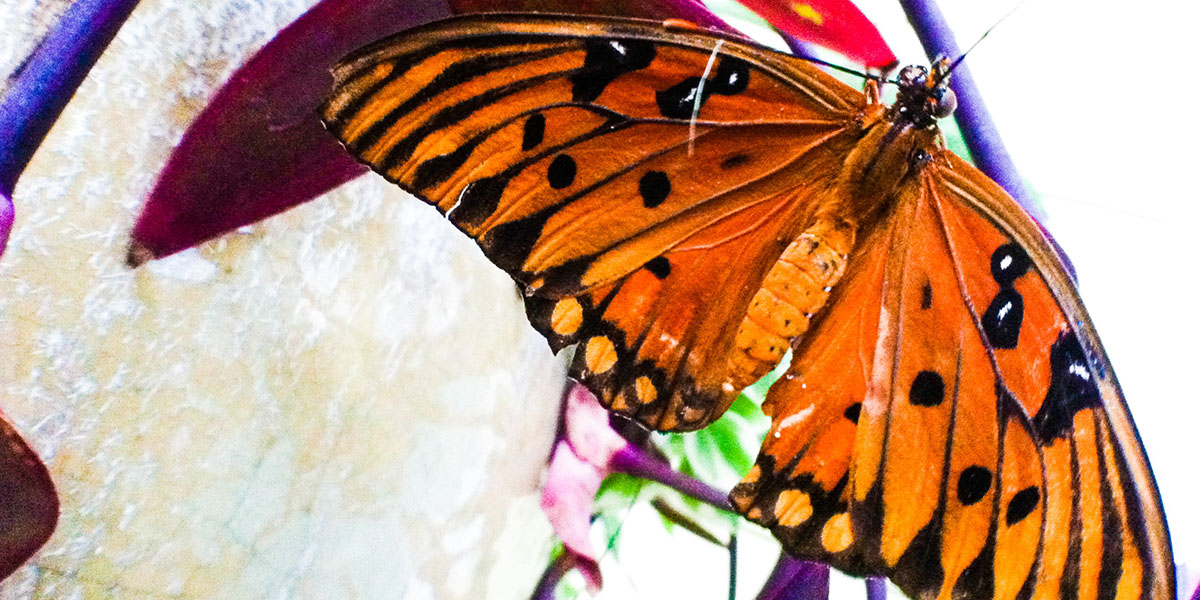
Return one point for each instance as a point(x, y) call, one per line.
point(795, 419)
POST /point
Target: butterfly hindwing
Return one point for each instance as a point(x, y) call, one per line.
point(625, 175)
point(993, 456)
point(1102, 518)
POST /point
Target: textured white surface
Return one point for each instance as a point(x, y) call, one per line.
point(344, 401)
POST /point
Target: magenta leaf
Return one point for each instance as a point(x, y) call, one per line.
point(258, 148)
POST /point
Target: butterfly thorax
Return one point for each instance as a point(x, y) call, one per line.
point(892, 144)
point(895, 140)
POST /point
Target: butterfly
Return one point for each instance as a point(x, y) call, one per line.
point(687, 205)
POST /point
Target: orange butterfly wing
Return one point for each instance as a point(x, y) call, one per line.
point(952, 421)
point(570, 153)
point(680, 203)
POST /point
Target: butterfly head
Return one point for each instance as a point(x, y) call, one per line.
point(925, 96)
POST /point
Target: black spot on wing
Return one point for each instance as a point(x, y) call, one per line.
point(1021, 505)
point(926, 296)
point(973, 484)
point(477, 201)
point(733, 75)
point(1002, 319)
point(853, 411)
point(509, 244)
point(734, 161)
point(1009, 262)
point(561, 172)
point(534, 131)
point(606, 60)
point(660, 267)
point(654, 187)
point(680, 100)
point(439, 168)
point(928, 389)
point(1072, 389)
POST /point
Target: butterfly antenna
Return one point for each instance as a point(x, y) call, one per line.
point(800, 50)
point(699, 98)
point(837, 67)
point(985, 34)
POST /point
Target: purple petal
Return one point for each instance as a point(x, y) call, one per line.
point(588, 431)
point(568, 498)
point(258, 148)
point(796, 579)
point(47, 80)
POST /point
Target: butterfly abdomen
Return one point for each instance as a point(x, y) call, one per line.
point(794, 290)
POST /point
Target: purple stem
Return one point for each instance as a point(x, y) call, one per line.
point(978, 130)
point(876, 587)
point(795, 579)
point(637, 462)
point(47, 80)
point(553, 574)
point(733, 553)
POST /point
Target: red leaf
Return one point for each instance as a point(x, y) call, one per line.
point(835, 24)
point(28, 501)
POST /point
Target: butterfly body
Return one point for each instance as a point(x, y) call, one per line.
point(686, 206)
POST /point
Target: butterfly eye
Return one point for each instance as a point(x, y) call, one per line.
point(946, 103)
point(912, 75)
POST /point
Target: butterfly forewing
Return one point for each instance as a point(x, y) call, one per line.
point(639, 183)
